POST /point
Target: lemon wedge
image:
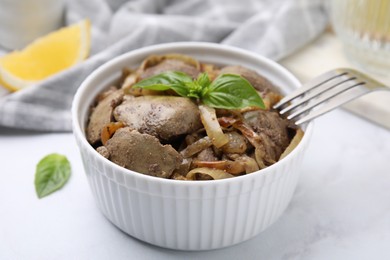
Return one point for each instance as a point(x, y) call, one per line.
point(45, 56)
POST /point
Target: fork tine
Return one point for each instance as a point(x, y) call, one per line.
point(326, 96)
point(312, 84)
point(317, 91)
point(342, 98)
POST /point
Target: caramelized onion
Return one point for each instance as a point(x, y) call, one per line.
point(259, 155)
point(210, 69)
point(213, 173)
point(255, 140)
point(213, 129)
point(153, 60)
point(196, 147)
point(226, 121)
point(108, 131)
point(232, 167)
point(249, 163)
point(130, 80)
point(294, 142)
point(187, 59)
point(178, 176)
point(271, 99)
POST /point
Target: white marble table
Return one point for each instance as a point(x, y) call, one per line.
point(340, 210)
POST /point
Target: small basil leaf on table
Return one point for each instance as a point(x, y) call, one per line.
point(52, 172)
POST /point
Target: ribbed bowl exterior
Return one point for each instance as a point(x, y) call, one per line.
point(188, 215)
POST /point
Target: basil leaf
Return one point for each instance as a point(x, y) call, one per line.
point(52, 172)
point(174, 80)
point(230, 91)
point(194, 90)
point(203, 80)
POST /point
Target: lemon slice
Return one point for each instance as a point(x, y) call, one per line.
point(45, 56)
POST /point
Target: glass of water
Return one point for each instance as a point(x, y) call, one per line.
point(364, 28)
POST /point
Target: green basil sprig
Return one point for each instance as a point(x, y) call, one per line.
point(227, 91)
point(52, 172)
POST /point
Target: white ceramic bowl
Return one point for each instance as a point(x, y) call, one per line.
point(187, 215)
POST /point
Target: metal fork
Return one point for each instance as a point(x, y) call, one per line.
point(325, 93)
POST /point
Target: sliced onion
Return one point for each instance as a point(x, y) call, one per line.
point(226, 121)
point(266, 143)
point(211, 70)
point(196, 147)
point(153, 60)
point(294, 142)
point(270, 99)
point(212, 127)
point(249, 163)
point(130, 80)
point(213, 173)
point(178, 176)
point(233, 167)
point(187, 59)
point(248, 132)
point(251, 135)
point(255, 140)
point(259, 155)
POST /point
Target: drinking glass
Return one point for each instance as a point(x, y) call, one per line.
point(364, 28)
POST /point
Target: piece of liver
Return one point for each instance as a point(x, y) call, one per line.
point(102, 115)
point(142, 153)
point(165, 117)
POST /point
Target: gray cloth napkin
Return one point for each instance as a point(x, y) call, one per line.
point(273, 28)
